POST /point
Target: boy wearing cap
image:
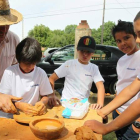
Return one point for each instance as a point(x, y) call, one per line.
point(80, 73)
point(8, 43)
point(27, 81)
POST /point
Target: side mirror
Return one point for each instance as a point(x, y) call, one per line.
point(51, 61)
point(48, 59)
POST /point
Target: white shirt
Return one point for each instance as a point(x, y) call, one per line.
point(128, 67)
point(78, 78)
point(7, 51)
point(26, 85)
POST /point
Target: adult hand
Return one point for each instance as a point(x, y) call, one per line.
point(27, 108)
point(96, 126)
point(96, 106)
point(53, 101)
point(6, 104)
point(41, 107)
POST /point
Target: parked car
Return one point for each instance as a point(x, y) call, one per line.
point(105, 57)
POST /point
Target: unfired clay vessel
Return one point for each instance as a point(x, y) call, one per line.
point(47, 128)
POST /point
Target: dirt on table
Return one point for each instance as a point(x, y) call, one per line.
point(84, 133)
point(10, 129)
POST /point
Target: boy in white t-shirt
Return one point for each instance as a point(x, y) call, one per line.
point(133, 111)
point(26, 80)
point(80, 73)
point(128, 67)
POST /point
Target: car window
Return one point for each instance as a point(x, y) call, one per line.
point(101, 54)
point(64, 55)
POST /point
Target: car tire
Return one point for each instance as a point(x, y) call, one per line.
point(112, 87)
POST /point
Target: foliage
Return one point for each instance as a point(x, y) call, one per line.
point(40, 33)
point(58, 38)
point(70, 34)
point(70, 29)
point(107, 36)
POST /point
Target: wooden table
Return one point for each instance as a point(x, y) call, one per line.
point(11, 130)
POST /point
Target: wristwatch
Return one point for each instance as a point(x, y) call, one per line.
point(136, 124)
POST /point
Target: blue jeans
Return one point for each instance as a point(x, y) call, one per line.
point(126, 133)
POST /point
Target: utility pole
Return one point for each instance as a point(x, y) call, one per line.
point(23, 28)
point(102, 33)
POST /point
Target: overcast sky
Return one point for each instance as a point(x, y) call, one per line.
point(57, 14)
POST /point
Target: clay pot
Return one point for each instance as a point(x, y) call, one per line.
point(47, 128)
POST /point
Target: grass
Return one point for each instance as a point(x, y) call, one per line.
point(110, 136)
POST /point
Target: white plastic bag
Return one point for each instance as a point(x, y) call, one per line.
point(75, 108)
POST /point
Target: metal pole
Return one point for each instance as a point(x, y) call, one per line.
point(23, 28)
point(102, 33)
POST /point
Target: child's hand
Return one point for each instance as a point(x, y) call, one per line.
point(53, 101)
point(96, 126)
point(105, 118)
point(27, 108)
point(41, 107)
point(96, 106)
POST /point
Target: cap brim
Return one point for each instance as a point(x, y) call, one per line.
point(13, 18)
point(86, 49)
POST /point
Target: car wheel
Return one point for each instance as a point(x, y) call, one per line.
point(112, 87)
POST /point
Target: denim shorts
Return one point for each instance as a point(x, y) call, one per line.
point(126, 133)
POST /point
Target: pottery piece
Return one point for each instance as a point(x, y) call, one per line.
point(47, 128)
point(21, 117)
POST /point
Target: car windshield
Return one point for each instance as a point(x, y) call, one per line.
point(64, 54)
point(67, 53)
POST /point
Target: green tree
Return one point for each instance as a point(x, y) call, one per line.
point(70, 38)
point(70, 34)
point(70, 29)
point(60, 38)
point(40, 33)
point(58, 32)
point(57, 38)
point(107, 36)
